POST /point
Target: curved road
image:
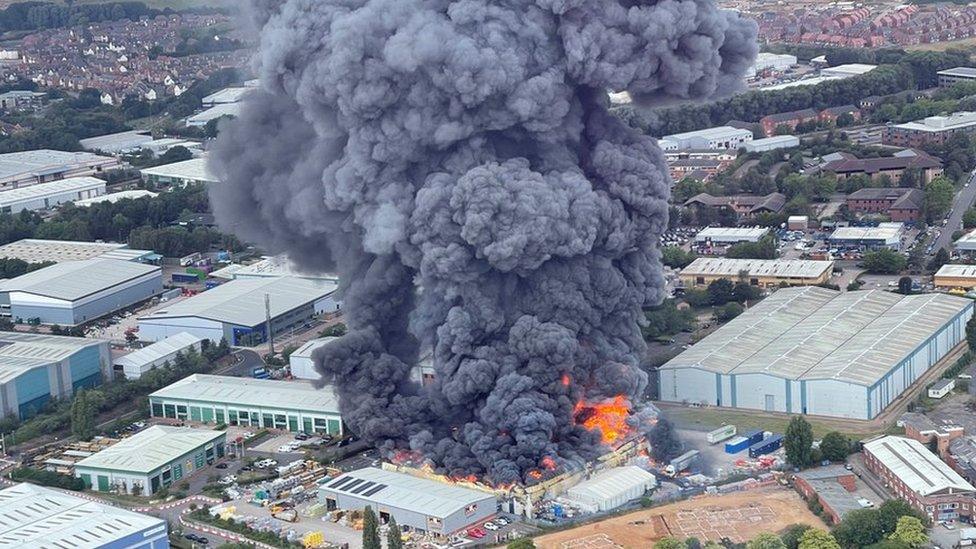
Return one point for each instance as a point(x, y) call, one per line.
point(962, 202)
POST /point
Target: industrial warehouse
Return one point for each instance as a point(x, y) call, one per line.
point(816, 351)
point(238, 310)
point(20, 169)
point(134, 364)
point(758, 272)
point(179, 174)
point(956, 276)
point(300, 360)
point(418, 503)
point(151, 459)
point(35, 368)
point(36, 250)
point(44, 196)
point(75, 292)
point(38, 517)
point(296, 406)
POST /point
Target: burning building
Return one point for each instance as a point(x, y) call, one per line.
point(456, 163)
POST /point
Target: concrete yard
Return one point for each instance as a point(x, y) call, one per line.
point(738, 516)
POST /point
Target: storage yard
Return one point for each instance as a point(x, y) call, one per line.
point(738, 516)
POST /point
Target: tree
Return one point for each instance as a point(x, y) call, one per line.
point(910, 531)
point(791, 536)
point(371, 529)
point(766, 541)
point(893, 509)
point(521, 543)
point(971, 333)
point(665, 445)
point(744, 292)
point(693, 543)
point(884, 261)
point(720, 291)
point(817, 539)
point(669, 543)
point(798, 441)
point(393, 536)
point(938, 198)
point(835, 446)
point(940, 259)
point(728, 311)
point(676, 258)
point(666, 320)
point(860, 528)
point(765, 248)
point(82, 416)
point(969, 219)
point(905, 285)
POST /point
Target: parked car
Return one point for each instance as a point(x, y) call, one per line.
point(221, 466)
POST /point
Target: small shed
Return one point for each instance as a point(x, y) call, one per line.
point(941, 388)
point(797, 222)
point(610, 489)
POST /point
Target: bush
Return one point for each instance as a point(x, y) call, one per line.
point(728, 311)
point(204, 516)
point(47, 478)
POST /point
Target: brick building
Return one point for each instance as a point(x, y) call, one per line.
point(831, 114)
point(925, 430)
point(914, 474)
point(791, 119)
point(833, 486)
point(847, 165)
point(900, 203)
point(930, 131)
point(744, 205)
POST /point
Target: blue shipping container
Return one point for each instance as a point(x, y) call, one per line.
point(771, 444)
point(185, 278)
point(737, 445)
point(754, 436)
point(260, 373)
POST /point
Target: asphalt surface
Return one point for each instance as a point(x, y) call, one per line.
point(247, 361)
point(963, 201)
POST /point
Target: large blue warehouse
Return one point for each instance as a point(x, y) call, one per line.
point(75, 292)
point(817, 351)
point(37, 517)
point(34, 368)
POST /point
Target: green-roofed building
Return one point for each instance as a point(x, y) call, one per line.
point(151, 459)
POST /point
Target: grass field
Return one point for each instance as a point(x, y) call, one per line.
point(706, 419)
point(942, 46)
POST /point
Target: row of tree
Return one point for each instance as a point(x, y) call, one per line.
point(49, 15)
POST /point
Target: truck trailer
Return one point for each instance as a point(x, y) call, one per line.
point(681, 463)
point(736, 445)
point(720, 434)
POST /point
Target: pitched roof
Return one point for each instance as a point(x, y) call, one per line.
point(74, 280)
point(921, 470)
point(875, 165)
point(150, 449)
point(792, 115)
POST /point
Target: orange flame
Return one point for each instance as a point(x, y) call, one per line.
point(535, 473)
point(609, 417)
point(548, 463)
point(565, 380)
point(467, 478)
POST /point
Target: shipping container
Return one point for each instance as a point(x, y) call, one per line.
point(736, 445)
point(766, 446)
point(185, 278)
point(720, 434)
point(755, 436)
point(260, 373)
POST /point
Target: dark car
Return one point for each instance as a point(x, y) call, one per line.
point(221, 466)
point(191, 537)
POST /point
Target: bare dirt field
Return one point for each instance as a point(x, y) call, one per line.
point(739, 516)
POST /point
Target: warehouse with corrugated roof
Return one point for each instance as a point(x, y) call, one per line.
point(817, 351)
point(757, 272)
point(418, 503)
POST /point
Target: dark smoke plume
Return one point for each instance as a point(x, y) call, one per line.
point(454, 161)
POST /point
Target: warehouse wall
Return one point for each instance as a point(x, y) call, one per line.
point(161, 328)
point(86, 368)
point(230, 413)
point(118, 297)
point(414, 518)
point(33, 391)
point(753, 390)
point(831, 397)
point(690, 385)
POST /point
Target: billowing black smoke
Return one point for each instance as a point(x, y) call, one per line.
point(455, 162)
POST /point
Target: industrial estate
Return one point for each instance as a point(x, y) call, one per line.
point(413, 280)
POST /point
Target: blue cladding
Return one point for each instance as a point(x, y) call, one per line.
point(33, 390)
point(85, 364)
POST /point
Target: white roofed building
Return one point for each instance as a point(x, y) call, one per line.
point(421, 504)
point(35, 517)
point(956, 276)
point(886, 235)
point(300, 360)
point(233, 94)
point(730, 235)
point(75, 292)
point(112, 198)
point(916, 475)
point(151, 459)
point(213, 113)
point(758, 272)
point(19, 169)
point(296, 406)
point(811, 350)
point(611, 488)
point(44, 196)
point(136, 363)
point(180, 174)
point(235, 311)
point(721, 137)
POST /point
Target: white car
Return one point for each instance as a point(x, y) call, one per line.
point(491, 526)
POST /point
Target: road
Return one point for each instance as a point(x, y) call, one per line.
point(244, 364)
point(962, 202)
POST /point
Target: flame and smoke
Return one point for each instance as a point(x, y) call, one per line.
point(455, 162)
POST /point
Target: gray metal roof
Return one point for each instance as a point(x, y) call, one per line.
point(960, 271)
point(160, 350)
point(815, 333)
point(966, 72)
point(46, 161)
point(194, 169)
point(257, 393)
point(150, 449)
point(796, 268)
point(73, 280)
point(36, 250)
point(16, 196)
point(921, 470)
point(241, 301)
point(429, 497)
point(35, 517)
